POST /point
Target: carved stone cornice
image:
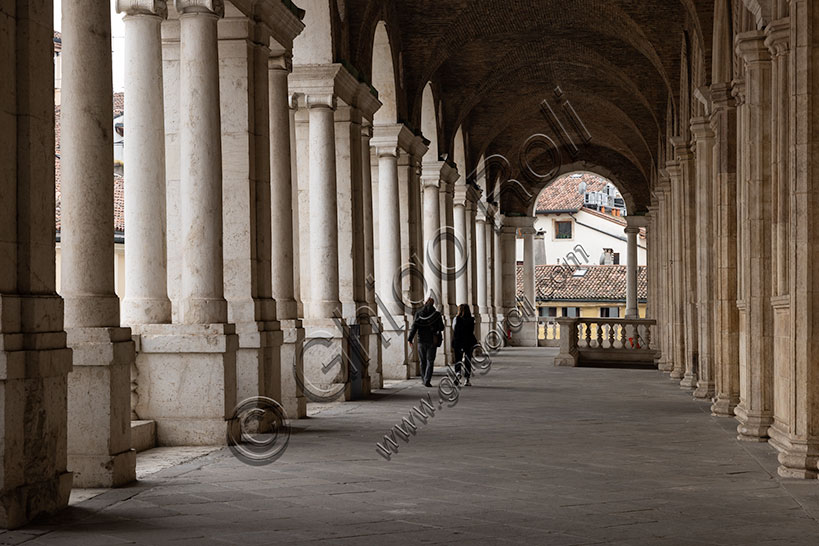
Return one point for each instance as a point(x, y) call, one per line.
point(701, 128)
point(366, 102)
point(778, 36)
point(214, 7)
point(750, 46)
point(281, 22)
point(466, 194)
point(738, 91)
point(326, 79)
point(280, 62)
point(157, 8)
point(391, 139)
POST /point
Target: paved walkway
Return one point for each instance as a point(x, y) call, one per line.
point(531, 454)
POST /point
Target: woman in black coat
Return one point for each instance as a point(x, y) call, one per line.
point(463, 341)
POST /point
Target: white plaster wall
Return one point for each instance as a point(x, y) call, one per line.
point(592, 241)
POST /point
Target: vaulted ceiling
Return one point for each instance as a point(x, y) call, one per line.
point(493, 62)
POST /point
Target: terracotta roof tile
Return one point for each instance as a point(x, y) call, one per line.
point(600, 283)
point(562, 194)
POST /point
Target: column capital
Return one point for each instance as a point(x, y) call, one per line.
point(320, 101)
point(283, 62)
point(701, 128)
point(682, 149)
point(738, 91)
point(366, 130)
point(750, 46)
point(293, 100)
point(778, 36)
point(214, 7)
point(326, 79)
point(397, 136)
point(466, 194)
point(143, 7)
point(281, 21)
point(721, 97)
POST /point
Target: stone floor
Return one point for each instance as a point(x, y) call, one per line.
point(531, 454)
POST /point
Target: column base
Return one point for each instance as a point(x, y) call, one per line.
point(705, 390)
point(753, 427)
point(99, 407)
point(798, 458)
point(291, 396)
point(258, 359)
point(187, 381)
point(724, 406)
point(689, 381)
point(20, 505)
point(375, 368)
point(676, 374)
point(325, 359)
point(395, 351)
point(665, 365)
point(104, 470)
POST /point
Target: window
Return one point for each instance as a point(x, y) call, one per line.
point(609, 312)
point(547, 312)
point(563, 230)
point(616, 258)
point(571, 312)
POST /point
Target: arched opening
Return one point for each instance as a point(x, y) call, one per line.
point(384, 77)
point(429, 123)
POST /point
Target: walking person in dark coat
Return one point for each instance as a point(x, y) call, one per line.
point(429, 325)
point(463, 341)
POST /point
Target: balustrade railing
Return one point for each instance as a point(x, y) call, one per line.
point(605, 339)
point(548, 333)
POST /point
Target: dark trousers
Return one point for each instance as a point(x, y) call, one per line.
point(426, 354)
point(464, 356)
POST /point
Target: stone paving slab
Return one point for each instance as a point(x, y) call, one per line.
point(531, 454)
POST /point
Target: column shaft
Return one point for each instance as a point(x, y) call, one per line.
point(200, 196)
point(462, 255)
point(389, 231)
point(323, 214)
point(146, 289)
point(631, 273)
point(432, 240)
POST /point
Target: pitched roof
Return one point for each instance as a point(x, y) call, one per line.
point(119, 182)
point(562, 194)
point(606, 283)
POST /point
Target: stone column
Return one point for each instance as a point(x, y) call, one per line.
point(706, 279)
point(799, 451)
point(281, 201)
point(686, 208)
point(196, 357)
point(497, 251)
point(389, 142)
point(527, 336)
point(726, 317)
point(461, 243)
point(785, 375)
point(374, 347)
point(449, 256)
point(246, 212)
point(481, 263)
point(433, 241)
point(146, 289)
point(323, 303)
point(472, 230)
point(755, 409)
point(509, 265)
point(375, 368)
point(33, 476)
point(99, 387)
point(664, 284)
point(677, 296)
point(489, 245)
point(631, 272)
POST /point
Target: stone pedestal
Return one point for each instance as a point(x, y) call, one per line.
point(325, 361)
point(187, 381)
point(395, 350)
point(99, 405)
point(375, 350)
point(291, 396)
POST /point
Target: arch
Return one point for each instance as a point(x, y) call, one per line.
point(429, 123)
point(384, 77)
point(585, 167)
point(459, 153)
